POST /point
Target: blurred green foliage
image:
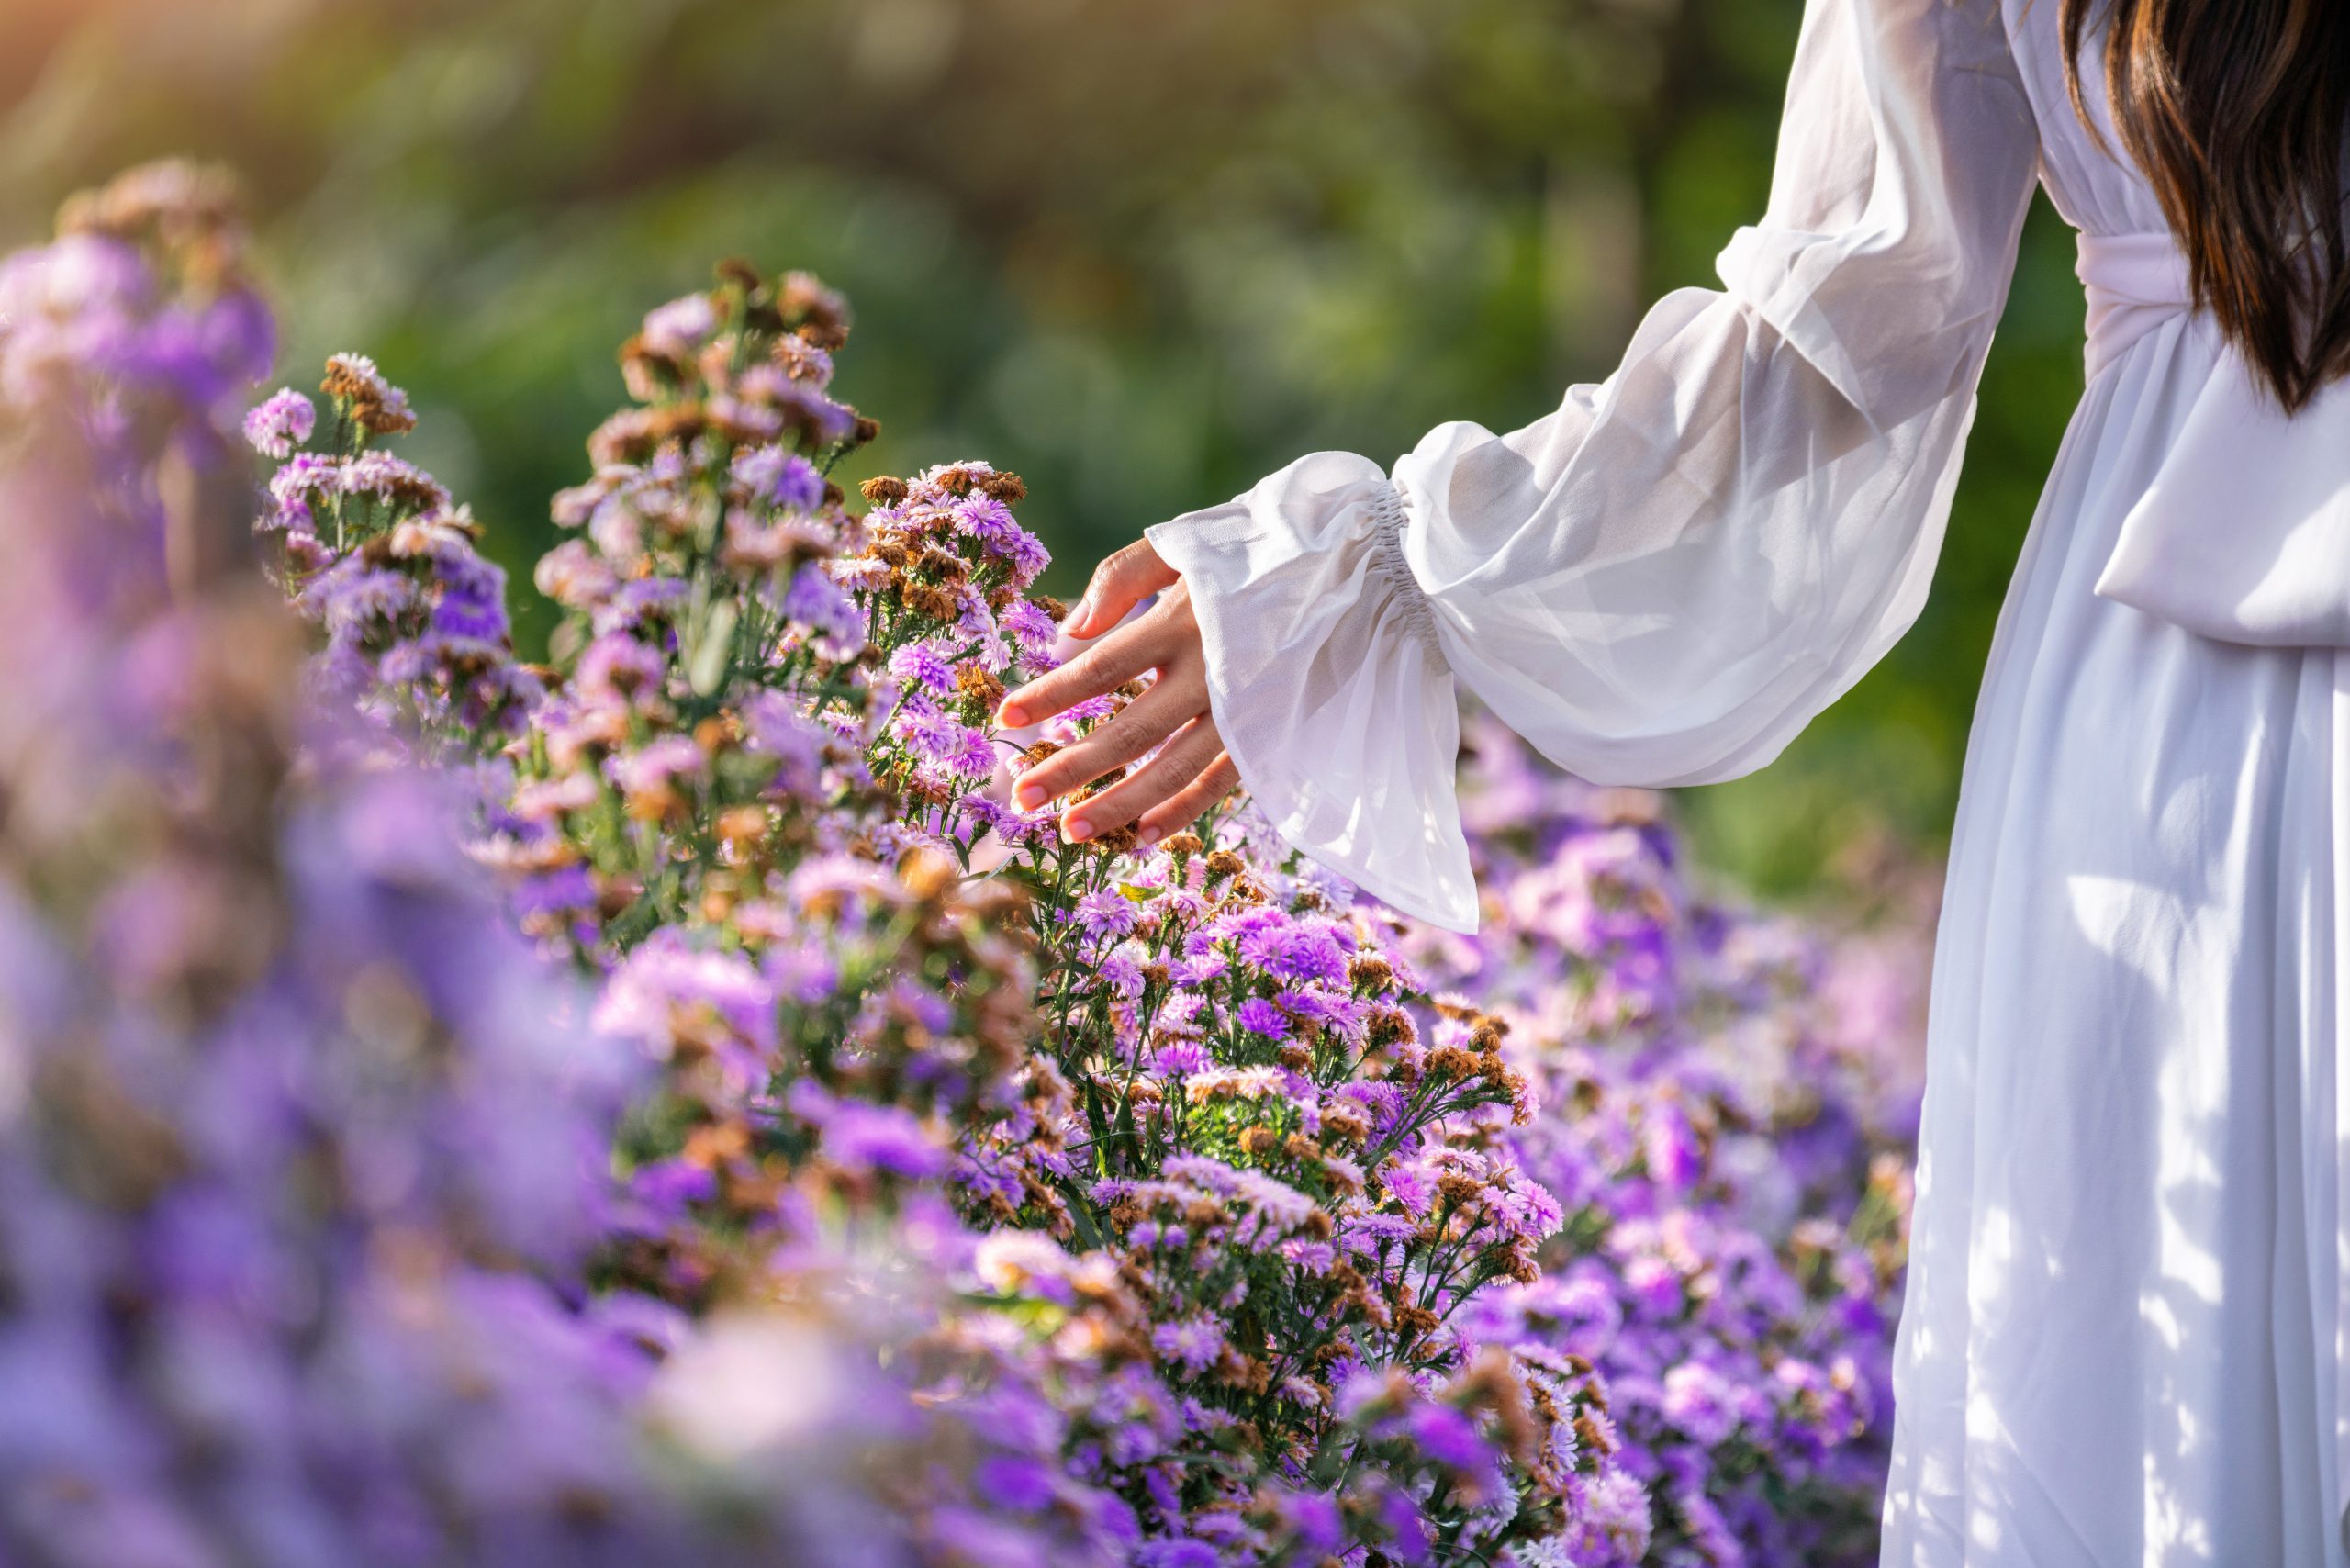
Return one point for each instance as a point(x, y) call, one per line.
point(1141, 253)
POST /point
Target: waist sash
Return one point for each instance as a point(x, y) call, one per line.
point(2243, 534)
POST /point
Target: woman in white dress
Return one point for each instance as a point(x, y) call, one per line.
point(2123, 1340)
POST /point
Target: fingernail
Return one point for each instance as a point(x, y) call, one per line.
point(1078, 830)
point(1077, 615)
point(1011, 717)
point(1152, 835)
point(1028, 797)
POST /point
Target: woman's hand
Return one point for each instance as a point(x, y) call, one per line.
point(1191, 771)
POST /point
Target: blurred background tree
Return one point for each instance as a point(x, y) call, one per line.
point(1140, 253)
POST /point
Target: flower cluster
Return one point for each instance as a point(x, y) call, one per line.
point(761, 804)
point(307, 1156)
point(773, 1145)
point(1724, 1142)
point(374, 553)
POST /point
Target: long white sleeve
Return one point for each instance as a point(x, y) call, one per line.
point(1663, 580)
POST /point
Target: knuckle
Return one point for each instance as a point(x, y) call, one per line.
point(1122, 743)
point(1087, 674)
point(1164, 775)
point(1174, 767)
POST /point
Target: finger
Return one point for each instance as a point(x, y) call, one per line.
point(1104, 667)
point(1179, 762)
point(1120, 583)
point(1192, 802)
point(1141, 724)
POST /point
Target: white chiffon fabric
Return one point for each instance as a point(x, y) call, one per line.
point(2123, 1340)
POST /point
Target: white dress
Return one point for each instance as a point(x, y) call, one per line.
point(2123, 1336)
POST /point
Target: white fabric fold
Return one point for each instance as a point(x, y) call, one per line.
point(2243, 534)
point(1324, 678)
point(1662, 581)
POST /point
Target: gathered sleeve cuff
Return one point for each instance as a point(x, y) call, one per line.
point(1326, 679)
point(1664, 580)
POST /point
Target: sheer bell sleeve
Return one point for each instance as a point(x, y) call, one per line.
point(1662, 581)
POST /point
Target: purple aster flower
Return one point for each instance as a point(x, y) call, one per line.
point(469, 617)
point(666, 983)
point(780, 478)
point(617, 666)
point(923, 665)
point(1107, 915)
point(939, 738)
point(886, 1138)
point(1035, 632)
point(1450, 1438)
point(380, 477)
point(1173, 1553)
point(661, 762)
point(678, 329)
point(353, 595)
point(1180, 1059)
point(280, 423)
point(1193, 1344)
point(558, 892)
point(1300, 952)
point(639, 601)
point(1260, 1016)
point(1700, 1402)
point(1022, 1485)
point(815, 601)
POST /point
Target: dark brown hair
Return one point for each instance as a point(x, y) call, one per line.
point(2237, 110)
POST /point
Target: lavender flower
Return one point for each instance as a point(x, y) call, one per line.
point(281, 423)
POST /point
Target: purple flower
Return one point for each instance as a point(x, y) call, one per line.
point(617, 666)
point(657, 764)
point(948, 742)
point(1035, 632)
point(1021, 1485)
point(679, 328)
point(780, 478)
point(1105, 915)
point(1450, 1438)
point(352, 596)
point(559, 891)
point(280, 423)
point(1297, 952)
point(641, 602)
point(1176, 1553)
point(1260, 1016)
point(667, 1187)
point(885, 1139)
point(660, 993)
point(922, 664)
point(988, 522)
point(1697, 1401)
point(815, 601)
point(1180, 1059)
point(1194, 1344)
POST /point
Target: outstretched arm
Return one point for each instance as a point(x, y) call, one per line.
point(1660, 581)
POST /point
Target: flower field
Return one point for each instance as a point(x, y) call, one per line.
point(665, 1105)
